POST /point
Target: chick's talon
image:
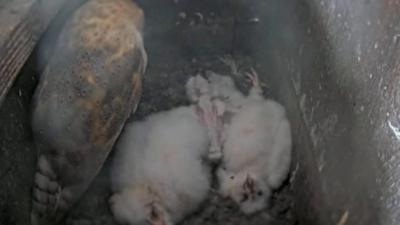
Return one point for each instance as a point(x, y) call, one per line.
point(253, 76)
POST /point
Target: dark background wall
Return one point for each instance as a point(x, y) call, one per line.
point(333, 64)
point(17, 152)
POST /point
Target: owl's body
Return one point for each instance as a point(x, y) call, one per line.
point(86, 93)
point(158, 168)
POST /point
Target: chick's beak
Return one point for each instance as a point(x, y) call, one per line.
point(155, 215)
point(249, 184)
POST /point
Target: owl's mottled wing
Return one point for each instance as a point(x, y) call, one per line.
point(86, 93)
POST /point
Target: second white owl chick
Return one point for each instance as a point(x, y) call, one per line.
point(256, 151)
point(256, 154)
point(158, 175)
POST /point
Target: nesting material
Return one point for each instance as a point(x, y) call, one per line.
point(163, 90)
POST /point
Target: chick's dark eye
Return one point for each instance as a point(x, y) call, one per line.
point(232, 177)
point(260, 193)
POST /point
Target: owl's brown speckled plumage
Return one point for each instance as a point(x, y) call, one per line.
point(88, 90)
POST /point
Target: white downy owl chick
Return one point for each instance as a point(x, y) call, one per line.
point(210, 111)
point(256, 152)
point(219, 99)
point(216, 87)
point(158, 176)
point(196, 87)
point(223, 87)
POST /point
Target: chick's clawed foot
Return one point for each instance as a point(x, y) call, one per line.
point(256, 91)
point(253, 76)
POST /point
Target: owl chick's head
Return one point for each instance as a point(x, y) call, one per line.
point(247, 190)
point(138, 206)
